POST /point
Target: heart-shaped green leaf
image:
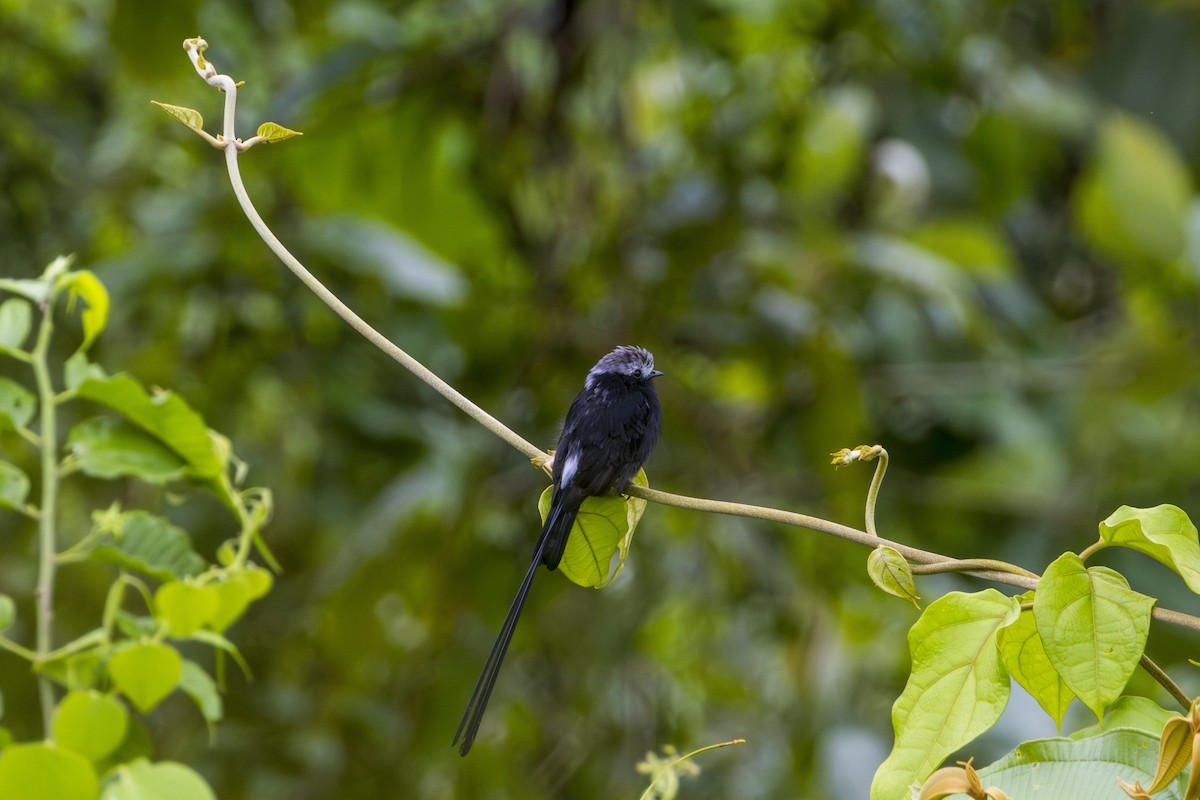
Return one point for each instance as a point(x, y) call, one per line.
point(185, 607)
point(166, 780)
point(604, 526)
point(16, 405)
point(1025, 658)
point(90, 723)
point(42, 771)
point(145, 672)
point(1093, 627)
point(891, 572)
point(1163, 532)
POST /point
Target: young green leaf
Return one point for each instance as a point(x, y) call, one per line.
point(153, 546)
point(184, 115)
point(165, 415)
point(16, 405)
point(199, 685)
point(145, 672)
point(142, 780)
point(185, 607)
point(1025, 659)
point(78, 369)
point(110, 448)
point(90, 723)
point(16, 319)
point(14, 486)
point(272, 132)
point(86, 285)
point(46, 772)
point(891, 572)
point(957, 689)
point(1163, 532)
point(604, 526)
point(233, 595)
point(1093, 627)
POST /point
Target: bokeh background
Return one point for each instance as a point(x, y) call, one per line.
point(966, 230)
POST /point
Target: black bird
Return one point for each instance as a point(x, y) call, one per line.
point(609, 432)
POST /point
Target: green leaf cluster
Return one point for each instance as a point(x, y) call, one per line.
point(132, 659)
point(1080, 634)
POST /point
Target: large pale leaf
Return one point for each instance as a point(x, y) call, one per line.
point(151, 545)
point(604, 526)
point(957, 690)
point(1093, 627)
point(165, 415)
point(111, 448)
point(1025, 658)
point(1068, 769)
point(165, 780)
point(42, 771)
point(1163, 532)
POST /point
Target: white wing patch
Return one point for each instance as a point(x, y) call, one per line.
point(570, 464)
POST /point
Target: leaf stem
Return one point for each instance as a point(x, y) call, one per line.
point(48, 519)
point(1092, 548)
point(1163, 678)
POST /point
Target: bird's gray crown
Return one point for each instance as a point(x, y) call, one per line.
point(635, 362)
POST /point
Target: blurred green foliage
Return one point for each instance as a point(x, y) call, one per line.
point(965, 230)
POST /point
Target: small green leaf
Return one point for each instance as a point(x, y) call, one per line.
point(86, 285)
point(111, 448)
point(153, 546)
point(146, 673)
point(1163, 532)
point(258, 581)
point(233, 595)
point(16, 405)
point(892, 573)
point(165, 780)
point(16, 319)
point(271, 132)
point(8, 612)
point(185, 607)
point(186, 116)
point(165, 415)
point(78, 369)
point(14, 486)
point(1025, 658)
point(1093, 627)
point(957, 690)
point(42, 771)
point(604, 526)
point(200, 686)
point(90, 723)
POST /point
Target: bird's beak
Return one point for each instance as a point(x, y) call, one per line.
point(655, 373)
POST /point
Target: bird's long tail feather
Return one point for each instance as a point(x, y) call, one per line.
point(473, 715)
